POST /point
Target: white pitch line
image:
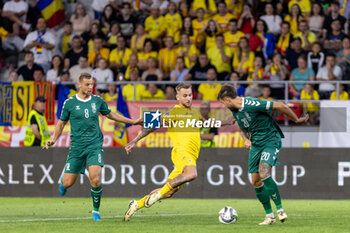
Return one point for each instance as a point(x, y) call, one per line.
point(103, 217)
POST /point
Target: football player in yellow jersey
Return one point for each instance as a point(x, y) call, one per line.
point(184, 153)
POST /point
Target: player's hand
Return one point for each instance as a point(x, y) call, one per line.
point(138, 122)
point(129, 146)
point(303, 119)
point(49, 143)
point(247, 144)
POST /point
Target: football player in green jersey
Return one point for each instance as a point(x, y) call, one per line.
point(262, 136)
point(82, 110)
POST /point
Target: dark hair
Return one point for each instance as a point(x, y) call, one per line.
point(65, 73)
point(255, 26)
point(335, 3)
point(220, 35)
point(146, 41)
point(68, 23)
point(60, 67)
point(29, 52)
point(286, 23)
point(321, 11)
point(183, 29)
point(183, 86)
point(76, 37)
point(227, 90)
point(126, 4)
point(296, 38)
point(39, 69)
point(303, 57)
point(207, 29)
point(83, 56)
point(84, 75)
point(330, 55)
point(232, 21)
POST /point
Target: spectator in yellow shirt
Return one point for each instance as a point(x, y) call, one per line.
point(153, 93)
point(138, 39)
point(222, 17)
point(235, 7)
point(146, 53)
point(188, 51)
point(199, 24)
point(132, 65)
point(98, 52)
point(155, 23)
point(265, 93)
point(188, 29)
point(343, 95)
point(209, 6)
point(233, 36)
point(119, 56)
point(220, 57)
point(304, 5)
point(209, 91)
point(173, 22)
point(308, 93)
point(294, 18)
point(128, 89)
point(167, 57)
point(211, 31)
point(307, 37)
point(112, 93)
point(113, 35)
point(244, 58)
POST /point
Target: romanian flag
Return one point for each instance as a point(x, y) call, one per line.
point(63, 94)
point(52, 11)
point(120, 137)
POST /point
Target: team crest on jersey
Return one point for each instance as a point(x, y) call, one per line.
point(77, 107)
point(93, 107)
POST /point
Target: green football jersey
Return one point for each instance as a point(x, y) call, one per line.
point(254, 117)
point(83, 117)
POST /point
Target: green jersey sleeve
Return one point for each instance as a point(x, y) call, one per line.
point(257, 105)
point(104, 109)
point(65, 111)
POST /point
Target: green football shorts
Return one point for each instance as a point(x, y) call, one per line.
point(268, 153)
point(79, 156)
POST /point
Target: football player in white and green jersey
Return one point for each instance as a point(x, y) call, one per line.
point(82, 110)
point(262, 136)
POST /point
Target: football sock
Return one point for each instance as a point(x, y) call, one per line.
point(96, 194)
point(272, 189)
point(141, 202)
point(165, 189)
point(264, 198)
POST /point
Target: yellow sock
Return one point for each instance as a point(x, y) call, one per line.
point(165, 189)
point(141, 202)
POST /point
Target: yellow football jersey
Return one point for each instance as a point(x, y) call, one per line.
point(155, 27)
point(186, 140)
point(223, 21)
point(231, 40)
point(173, 26)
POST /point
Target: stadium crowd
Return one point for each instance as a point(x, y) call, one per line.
point(179, 40)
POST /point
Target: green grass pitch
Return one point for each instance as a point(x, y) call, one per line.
point(173, 215)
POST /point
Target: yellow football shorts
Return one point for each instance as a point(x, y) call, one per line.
point(181, 160)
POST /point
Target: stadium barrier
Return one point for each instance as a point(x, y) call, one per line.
point(222, 173)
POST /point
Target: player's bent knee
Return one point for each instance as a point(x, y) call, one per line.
point(95, 181)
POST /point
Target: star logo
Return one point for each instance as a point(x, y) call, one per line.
point(151, 120)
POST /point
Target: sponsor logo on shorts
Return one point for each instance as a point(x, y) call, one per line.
point(68, 166)
point(99, 158)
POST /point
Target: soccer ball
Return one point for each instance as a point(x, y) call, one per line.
point(228, 215)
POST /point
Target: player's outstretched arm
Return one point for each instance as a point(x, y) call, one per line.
point(119, 118)
point(143, 134)
point(246, 137)
point(287, 111)
point(56, 134)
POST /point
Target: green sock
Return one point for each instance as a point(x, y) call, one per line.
point(96, 194)
point(272, 189)
point(264, 198)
